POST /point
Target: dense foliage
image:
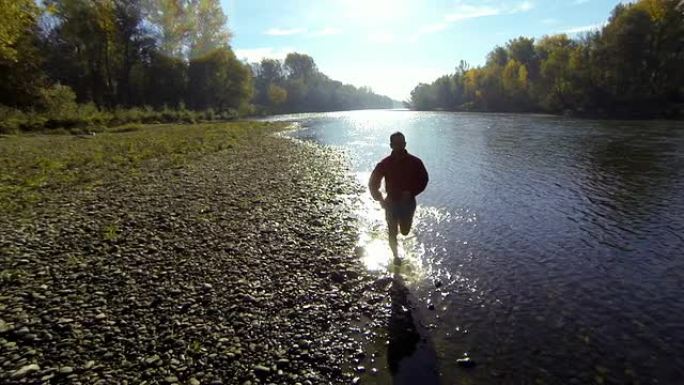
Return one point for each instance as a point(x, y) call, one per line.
point(296, 85)
point(632, 67)
point(81, 62)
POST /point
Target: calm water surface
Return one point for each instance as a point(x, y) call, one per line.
point(556, 243)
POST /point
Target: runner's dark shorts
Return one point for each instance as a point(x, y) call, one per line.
point(400, 211)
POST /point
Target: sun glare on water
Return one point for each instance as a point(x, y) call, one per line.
point(373, 245)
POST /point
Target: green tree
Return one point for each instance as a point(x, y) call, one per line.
point(218, 80)
point(83, 48)
point(515, 81)
point(165, 80)
point(133, 42)
point(632, 67)
point(173, 23)
point(422, 97)
point(276, 95)
point(300, 66)
point(642, 54)
point(209, 28)
point(21, 75)
point(267, 73)
point(556, 75)
point(17, 18)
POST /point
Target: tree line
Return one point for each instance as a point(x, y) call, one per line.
point(80, 57)
point(296, 85)
point(631, 67)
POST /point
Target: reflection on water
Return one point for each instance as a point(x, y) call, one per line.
point(540, 241)
point(373, 244)
point(417, 260)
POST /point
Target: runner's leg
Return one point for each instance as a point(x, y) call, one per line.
point(406, 218)
point(392, 227)
point(405, 225)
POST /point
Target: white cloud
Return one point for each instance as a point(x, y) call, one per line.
point(327, 31)
point(372, 12)
point(522, 7)
point(432, 28)
point(382, 37)
point(254, 55)
point(428, 29)
point(583, 28)
point(464, 11)
point(284, 31)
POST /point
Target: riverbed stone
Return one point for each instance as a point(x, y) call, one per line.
point(25, 370)
point(219, 268)
point(66, 370)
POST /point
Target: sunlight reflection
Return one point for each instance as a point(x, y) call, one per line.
point(421, 263)
point(373, 245)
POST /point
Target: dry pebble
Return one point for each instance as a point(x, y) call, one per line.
point(237, 268)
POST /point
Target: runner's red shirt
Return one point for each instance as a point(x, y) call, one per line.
point(402, 172)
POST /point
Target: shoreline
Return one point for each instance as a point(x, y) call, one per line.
point(588, 117)
point(198, 274)
point(570, 115)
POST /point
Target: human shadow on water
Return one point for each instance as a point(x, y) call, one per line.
point(410, 354)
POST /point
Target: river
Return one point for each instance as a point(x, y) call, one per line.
point(546, 249)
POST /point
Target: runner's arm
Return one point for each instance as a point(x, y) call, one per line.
point(422, 179)
point(374, 183)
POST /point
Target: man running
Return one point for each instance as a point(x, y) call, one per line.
point(405, 177)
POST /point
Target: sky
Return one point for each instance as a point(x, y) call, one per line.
point(391, 46)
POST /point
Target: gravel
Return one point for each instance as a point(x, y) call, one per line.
point(237, 268)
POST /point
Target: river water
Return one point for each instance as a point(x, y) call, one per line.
point(547, 249)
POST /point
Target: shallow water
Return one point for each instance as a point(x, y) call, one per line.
point(556, 243)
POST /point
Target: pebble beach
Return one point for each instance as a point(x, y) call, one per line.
point(237, 268)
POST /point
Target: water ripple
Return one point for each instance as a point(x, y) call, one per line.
point(540, 241)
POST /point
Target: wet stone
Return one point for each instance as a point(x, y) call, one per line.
point(465, 362)
point(25, 370)
point(152, 359)
point(260, 369)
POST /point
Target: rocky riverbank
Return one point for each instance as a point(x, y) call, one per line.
point(235, 268)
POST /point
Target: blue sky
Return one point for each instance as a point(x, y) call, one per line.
point(391, 46)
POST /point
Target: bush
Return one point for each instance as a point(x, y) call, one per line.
point(93, 116)
point(11, 120)
point(229, 114)
point(150, 115)
point(184, 115)
point(59, 102)
point(209, 115)
point(35, 121)
point(60, 111)
point(245, 110)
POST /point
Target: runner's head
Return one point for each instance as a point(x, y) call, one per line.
point(397, 141)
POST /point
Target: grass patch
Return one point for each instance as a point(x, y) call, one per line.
point(32, 166)
point(111, 232)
